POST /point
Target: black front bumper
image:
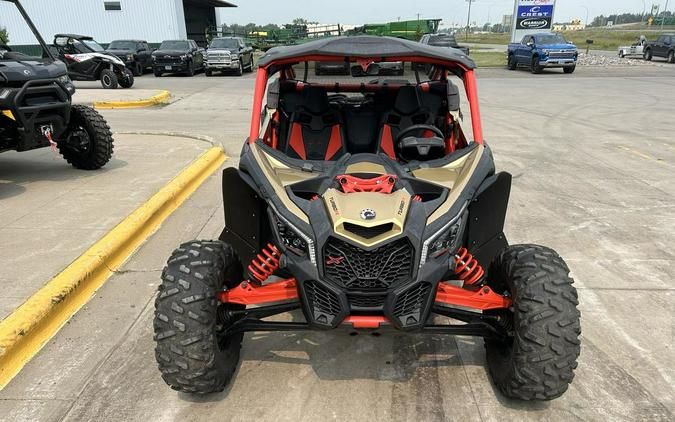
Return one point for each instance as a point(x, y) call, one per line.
point(171, 67)
point(38, 103)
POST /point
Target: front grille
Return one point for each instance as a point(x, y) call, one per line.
point(362, 301)
point(368, 232)
point(356, 268)
point(561, 55)
point(168, 60)
point(323, 303)
point(409, 305)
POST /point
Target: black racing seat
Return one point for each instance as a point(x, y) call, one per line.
point(315, 130)
point(412, 106)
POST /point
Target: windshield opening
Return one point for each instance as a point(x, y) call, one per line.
point(551, 39)
point(174, 45)
point(228, 43)
point(91, 44)
point(445, 41)
point(122, 45)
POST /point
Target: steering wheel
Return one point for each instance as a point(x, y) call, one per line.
point(414, 128)
point(412, 148)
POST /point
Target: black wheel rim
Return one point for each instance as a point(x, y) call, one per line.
point(79, 140)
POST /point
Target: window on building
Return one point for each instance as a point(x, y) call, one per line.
point(112, 5)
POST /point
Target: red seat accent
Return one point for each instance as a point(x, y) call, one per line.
point(334, 143)
point(387, 142)
point(296, 142)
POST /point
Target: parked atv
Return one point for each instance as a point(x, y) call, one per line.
point(88, 61)
point(367, 206)
point(36, 109)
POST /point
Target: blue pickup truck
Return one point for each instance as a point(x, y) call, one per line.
point(539, 51)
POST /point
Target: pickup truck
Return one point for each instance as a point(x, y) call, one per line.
point(545, 50)
point(664, 46)
point(136, 54)
point(229, 54)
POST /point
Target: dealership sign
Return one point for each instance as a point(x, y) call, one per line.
point(531, 16)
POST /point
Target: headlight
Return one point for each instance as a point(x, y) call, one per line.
point(234, 56)
point(130, 57)
point(292, 238)
point(546, 51)
point(446, 239)
point(65, 79)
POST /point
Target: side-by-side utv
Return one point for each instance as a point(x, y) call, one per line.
point(364, 203)
point(36, 109)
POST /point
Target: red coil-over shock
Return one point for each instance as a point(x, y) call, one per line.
point(467, 267)
point(264, 264)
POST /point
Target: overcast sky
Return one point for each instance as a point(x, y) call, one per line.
point(364, 11)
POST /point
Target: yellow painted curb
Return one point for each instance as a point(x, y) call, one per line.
point(24, 332)
point(160, 98)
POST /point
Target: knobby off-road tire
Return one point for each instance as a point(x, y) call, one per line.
point(186, 323)
point(671, 57)
point(108, 79)
point(538, 362)
point(569, 69)
point(511, 62)
point(100, 146)
point(128, 80)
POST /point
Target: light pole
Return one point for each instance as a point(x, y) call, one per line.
point(586, 22)
point(468, 19)
point(644, 8)
point(663, 19)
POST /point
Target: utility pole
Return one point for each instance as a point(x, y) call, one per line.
point(644, 8)
point(468, 19)
point(663, 19)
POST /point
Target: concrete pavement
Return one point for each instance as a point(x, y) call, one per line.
point(592, 160)
point(51, 212)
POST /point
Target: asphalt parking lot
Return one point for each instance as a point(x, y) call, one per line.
point(592, 155)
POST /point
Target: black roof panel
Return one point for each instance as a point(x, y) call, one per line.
point(366, 46)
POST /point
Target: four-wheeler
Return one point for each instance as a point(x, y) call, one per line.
point(664, 46)
point(367, 206)
point(545, 50)
point(178, 56)
point(136, 54)
point(36, 109)
point(228, 54)
point(88, 61)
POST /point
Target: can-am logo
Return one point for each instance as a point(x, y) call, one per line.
point(533, 23)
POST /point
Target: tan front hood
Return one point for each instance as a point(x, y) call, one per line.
point(349, 207)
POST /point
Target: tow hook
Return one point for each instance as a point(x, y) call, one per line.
point(47, 132)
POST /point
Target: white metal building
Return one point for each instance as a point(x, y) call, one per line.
point(107, 20)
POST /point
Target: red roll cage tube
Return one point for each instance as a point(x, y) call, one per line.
point(263, 74)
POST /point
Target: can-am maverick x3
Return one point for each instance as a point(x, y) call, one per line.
point(36, 109)
point(367, 206)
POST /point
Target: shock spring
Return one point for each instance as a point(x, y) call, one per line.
point(467, 267)
point(264, 264)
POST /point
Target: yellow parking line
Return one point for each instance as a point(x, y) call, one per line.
point(26, 330)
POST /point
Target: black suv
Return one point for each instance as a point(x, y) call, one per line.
point(36, 109)
point(178, 56)
point(136, 54)
point(664, 47)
